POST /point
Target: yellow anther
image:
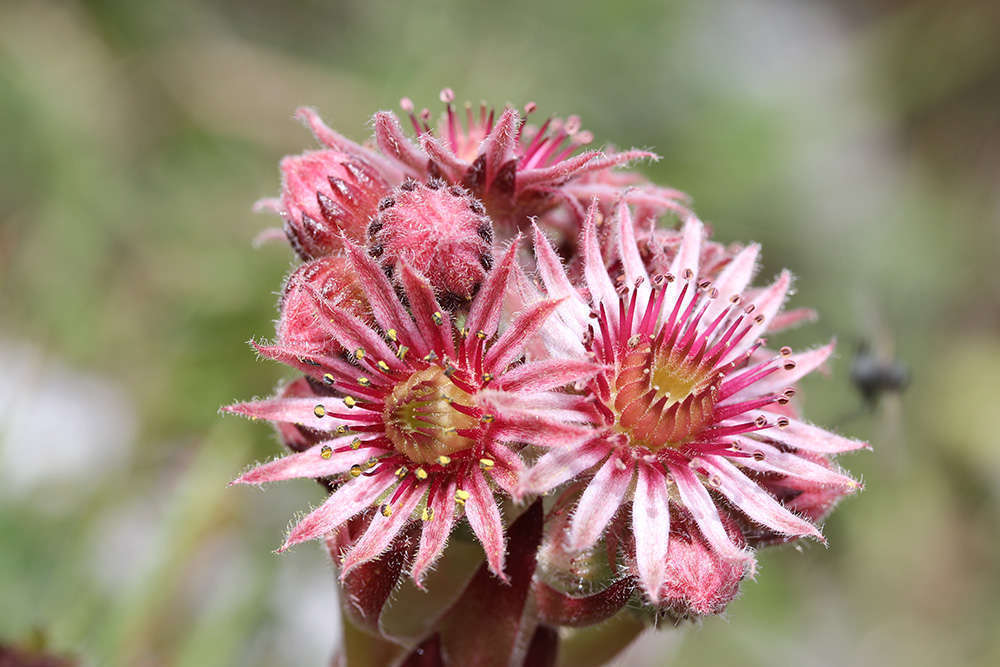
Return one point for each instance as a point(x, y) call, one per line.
point(326, 452)
point(370, 463)
point(461, 496)
point(328, 378)
point(427, 514)
point(382, 366)
point(364, 382)
point(355, 470)
point(401, 472)
point(319, 411)
point(341, 430)
point(356, 443)
point(436, 316)
point(420, 473)
point(391, 333)
point(350, 401)
point(487, 464)
point(444, 460)
point(401, 352)
point(386, 510)
point(431, 356)
point(487, 377)
point(481, 335)
point(487, 418)
point(359, 353)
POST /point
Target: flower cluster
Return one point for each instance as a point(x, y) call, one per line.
point(491, 312)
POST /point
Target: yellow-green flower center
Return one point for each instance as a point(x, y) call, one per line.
point(420, 420)
point(660, 401)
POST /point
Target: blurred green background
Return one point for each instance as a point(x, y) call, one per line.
point(858, 141)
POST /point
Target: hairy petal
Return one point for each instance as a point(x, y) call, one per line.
point(705, 513)
point(347, 501)
point(485, 311)
point(651, 526)
point(757, 503)
point(599, 503)
point(484, 519)
point(560, 465)
point(785, 463)
point(733, 279)
point(801, 435)
point(548, 374)
point(289, 410)
point(382, 530)
point(511, 344)
point(308, 464)
point(436, 531)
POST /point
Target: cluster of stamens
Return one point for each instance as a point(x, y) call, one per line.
point(668, 379)
point(418, 418)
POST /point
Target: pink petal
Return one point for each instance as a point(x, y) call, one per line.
point(705, 513)
point(548, 374)
point(686, 261)
point(509, 467)
point(801, 435)
point(561, 465)
point(651, 526)
point(390, 139)
point(791, 318)
point(425, 307)
point(560, 171)
point(550, 268)
point(270, 204)
point(551, 427)
point(498, 145)
point(336, 140)
point(733, 280)
point(386, 307)
point(755, 502)
point(347, 501)
point(436, 531)
point(599, 503)
point(443, 157)
point(781, 379)
point(354, 334)
point(484, 519)
point(382, 530)
point(289, 410)
point(602, 291)
point(485, 311)
point(511, 344)
point(310, 363)
point(790, 464)
point(309, 464)
point(632, 265)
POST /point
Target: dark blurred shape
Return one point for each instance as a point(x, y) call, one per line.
point(873, 376)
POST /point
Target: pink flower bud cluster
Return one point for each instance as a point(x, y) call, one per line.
point(491, 312)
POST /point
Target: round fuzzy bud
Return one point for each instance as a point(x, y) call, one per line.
point(699, 582)
point(335, 280)
point(326, 193)
point(441, 231)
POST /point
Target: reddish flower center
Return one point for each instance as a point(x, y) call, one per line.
point(660, 400)
point(420, 420)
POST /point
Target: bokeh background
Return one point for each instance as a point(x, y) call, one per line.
point(859, 141)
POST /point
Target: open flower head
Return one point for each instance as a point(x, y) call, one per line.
point(412, 422)
point(693, 410)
